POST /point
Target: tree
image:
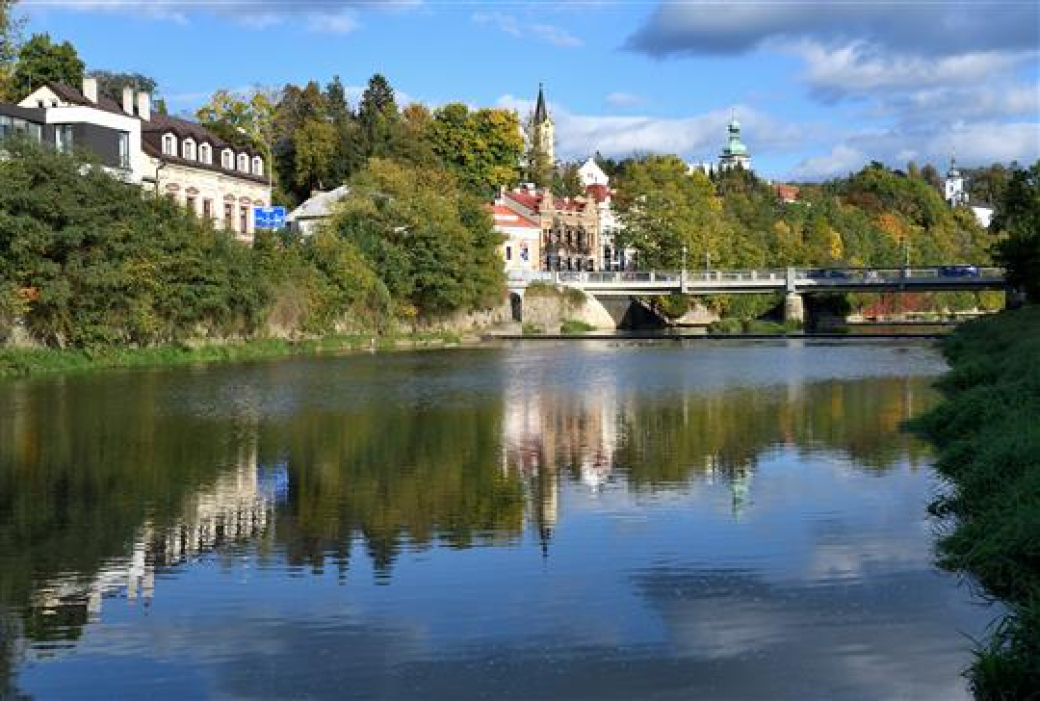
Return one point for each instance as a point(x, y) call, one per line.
point(567, 181)
point(665, 209)
point(349, 154)
point(10, 30)
point(432, 244)
point(1018, 217)
point(315, 148)
point(482, 147)
point(378, 116)
point(241, 119)
point(42, 61)
point(111, 83)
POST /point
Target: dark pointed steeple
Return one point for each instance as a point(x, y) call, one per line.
point(541, 114)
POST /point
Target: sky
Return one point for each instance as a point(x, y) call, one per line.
point(820, 87)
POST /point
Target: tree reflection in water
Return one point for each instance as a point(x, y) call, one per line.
point(102, 486)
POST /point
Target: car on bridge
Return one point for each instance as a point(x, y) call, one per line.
point(827, 274)
point(958, 271)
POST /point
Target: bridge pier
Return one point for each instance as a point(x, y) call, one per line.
point(794, 308)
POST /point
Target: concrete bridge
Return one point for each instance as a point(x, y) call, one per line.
point(793, 282)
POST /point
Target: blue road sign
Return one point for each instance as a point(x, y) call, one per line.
point(269, 217)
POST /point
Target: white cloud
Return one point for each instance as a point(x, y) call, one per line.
point(624, 99)
point(547, 33)
point(696, 137)
point(858, 68)
point(975, 143)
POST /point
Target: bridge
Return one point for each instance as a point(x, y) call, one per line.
point(793, 282)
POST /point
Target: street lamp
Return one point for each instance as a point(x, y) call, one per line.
point(682, 273)
point(707, 263)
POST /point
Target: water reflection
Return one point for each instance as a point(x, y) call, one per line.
point(362, 472)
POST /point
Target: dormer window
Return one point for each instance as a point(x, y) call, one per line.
point(206, 154)
point(243, 162)
point(227, 159)
point(169, 145)
point(188, 149)
point(258, 165)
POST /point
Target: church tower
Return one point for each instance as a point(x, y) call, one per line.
point(735, 154)
point(543, 129)
point(954, 186)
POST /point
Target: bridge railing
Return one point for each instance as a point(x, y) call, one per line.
point(765, 276)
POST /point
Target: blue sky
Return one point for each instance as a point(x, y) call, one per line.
point(821, 86)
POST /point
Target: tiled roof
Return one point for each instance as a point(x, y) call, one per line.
point(504, 216)
point(600, 193)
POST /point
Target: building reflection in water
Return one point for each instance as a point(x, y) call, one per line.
point(237, 507)
point(597, 438)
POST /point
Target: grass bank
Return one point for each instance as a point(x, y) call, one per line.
point(17, 362)
point(987, 431)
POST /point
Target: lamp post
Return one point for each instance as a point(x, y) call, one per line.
point(682, 273)
point(707, 264)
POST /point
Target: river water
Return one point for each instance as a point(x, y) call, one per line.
point(609, 519)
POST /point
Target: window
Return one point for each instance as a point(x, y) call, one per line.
point(243, 220)
point(63, 137)
point(243, 162)
point(227, 159)
point(206, 154)
point(229, 216)
point(189, 202)
point(188, 149)
point(124, 149)
point(207, 209)
point(169, 145)
point(258, 165)
point(509, 253)
point(6, 128)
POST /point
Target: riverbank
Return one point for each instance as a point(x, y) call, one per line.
point(987, 431)
point(30, 362)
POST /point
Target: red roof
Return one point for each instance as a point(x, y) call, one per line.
point(598, 192)
point(787, 193)
point(504, 216)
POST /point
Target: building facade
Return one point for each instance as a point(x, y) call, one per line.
point(174, 157)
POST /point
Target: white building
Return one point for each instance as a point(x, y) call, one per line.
point(306, 218)
point(956, 195)
point(591, 174)
point(175, 157)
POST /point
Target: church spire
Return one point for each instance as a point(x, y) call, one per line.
point(541, 114)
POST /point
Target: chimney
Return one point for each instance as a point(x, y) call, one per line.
point(128, 100)
point(90, 89)
point(144, 106)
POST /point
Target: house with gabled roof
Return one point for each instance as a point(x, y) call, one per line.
point(175, 157)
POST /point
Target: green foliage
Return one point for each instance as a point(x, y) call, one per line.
point(574, 327)
point(111, 83)
point(432, 244)
point(988, 432)
point(40, 61)
point(87, 261)
point(481, 147)
point(665, 209)
point(1018, 217)
point(672, 306)
point(529, 329)
point(10, 30)
point(100, 264)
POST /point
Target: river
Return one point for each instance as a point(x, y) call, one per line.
point(600, 519)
